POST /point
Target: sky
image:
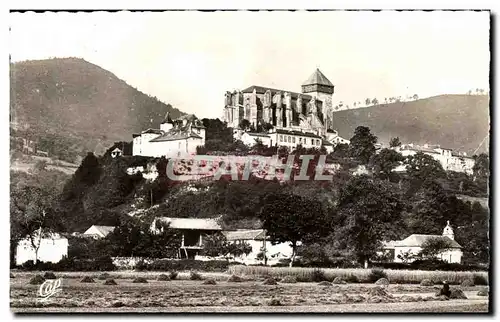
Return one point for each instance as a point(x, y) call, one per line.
point(190, 59)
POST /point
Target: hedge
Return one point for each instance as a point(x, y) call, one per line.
point(187, 265)
point(72, 265)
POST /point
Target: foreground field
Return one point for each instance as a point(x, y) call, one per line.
point(249, 296)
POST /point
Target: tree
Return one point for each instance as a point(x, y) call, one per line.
point(362, 145)
point(415, 97)
point(434, 246)
point(422, 167)
point(385, 161)
point(395, 142)
point(215, 245)
point(244, 124)
point(368, 212)
point(367, 101)
point(32, 215)
point(291, 218)
point(374, 101)
point(481, 166)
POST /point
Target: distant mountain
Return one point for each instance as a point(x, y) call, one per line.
point(79, 102)
point(459, 122)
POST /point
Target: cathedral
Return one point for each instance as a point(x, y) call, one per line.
point(284, 111)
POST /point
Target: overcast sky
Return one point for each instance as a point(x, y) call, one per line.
point(189, 59)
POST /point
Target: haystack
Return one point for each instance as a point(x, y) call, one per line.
point(140, 280)
point(382, 281)
point(426, 282)
point(110, 281)
point(467, 283)
point(163, 277)
point(235, 279)
point(289, 279)
point(209, 281)
point(49, 276)
point(270, 281)
point(338, 280)
point(87, 279)
point(37, 280)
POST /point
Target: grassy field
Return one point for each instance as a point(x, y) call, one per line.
point(249, 296)
point(362, 275)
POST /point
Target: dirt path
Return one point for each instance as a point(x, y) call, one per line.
point(477, 306)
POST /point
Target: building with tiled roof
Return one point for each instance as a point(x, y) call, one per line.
point(192, 230)
point(413, 244)
point(174, 138)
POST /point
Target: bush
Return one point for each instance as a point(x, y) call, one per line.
point(270, 281)
point(351, 278)
point(376, 274)
point(103, 263)
point(195, 276)
point(318, 275)
point(479, 280)
point(173, 275)
point(467, 282)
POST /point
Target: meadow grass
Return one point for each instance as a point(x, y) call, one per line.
point(306, 274)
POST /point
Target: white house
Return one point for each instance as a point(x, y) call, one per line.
point(260, 243)
point(174, 138)
point(52, 249)
point(413, 245)
point(449, 160)
point(249, 138)
point(96, 231)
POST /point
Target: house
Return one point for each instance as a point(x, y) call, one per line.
point(175, 138)
point(192, 231)
point(97, 232)
point(412, 245)
point(250, 138)
point(259, 242)
point(52, 248)
point(449, 160)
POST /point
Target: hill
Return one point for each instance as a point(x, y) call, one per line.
point(79, 105)
point(459, 122)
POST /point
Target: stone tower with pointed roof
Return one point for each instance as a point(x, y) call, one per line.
point(318, 86)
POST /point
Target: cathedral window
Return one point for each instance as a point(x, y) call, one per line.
point(289, 139)
point(293, 139)
point(281, 138)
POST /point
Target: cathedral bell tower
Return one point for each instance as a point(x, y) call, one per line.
point(318, 86)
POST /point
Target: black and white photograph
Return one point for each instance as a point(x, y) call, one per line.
point(250, 161)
